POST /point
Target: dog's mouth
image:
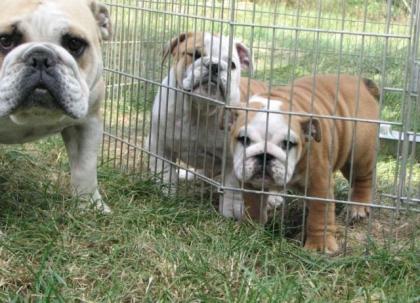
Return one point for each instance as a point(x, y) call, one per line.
point(262, 177)
point(208, 86)
point(41, 96)
point(39, 102)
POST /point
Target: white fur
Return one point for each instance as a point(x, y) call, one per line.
point(39, 27)
point(82, 134)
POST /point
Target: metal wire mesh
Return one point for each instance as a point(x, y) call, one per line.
point(287, 42)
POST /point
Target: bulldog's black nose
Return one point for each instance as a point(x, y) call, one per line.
point(41, 59)
point(263, 156)
point(214, 69)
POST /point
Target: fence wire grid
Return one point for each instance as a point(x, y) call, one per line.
point(288, 40)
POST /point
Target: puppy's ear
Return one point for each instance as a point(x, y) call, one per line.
point(245, 57)
point(169, 48)
point(101, 14)
point(311, 129)
point(231, 119)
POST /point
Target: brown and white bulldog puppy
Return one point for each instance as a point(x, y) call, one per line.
point(231, 204)
point(51, 80)
point(187, 127)
point(278, 150)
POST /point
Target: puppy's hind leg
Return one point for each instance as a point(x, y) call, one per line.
point(361, 191)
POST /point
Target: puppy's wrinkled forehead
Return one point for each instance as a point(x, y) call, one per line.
point(257, 118)
point(47, 20)
point(203, 43)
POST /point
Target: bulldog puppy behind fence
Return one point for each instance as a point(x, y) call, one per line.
point(51, 80)
point(187, 127)
point(302, 151)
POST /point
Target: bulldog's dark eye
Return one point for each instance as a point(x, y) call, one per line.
point(233, 66)
point(287, 145)
point(76, 46)
point(196, 55)
point(244, 140)
point(8, 42)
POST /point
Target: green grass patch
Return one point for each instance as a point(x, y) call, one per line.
point(158, 249)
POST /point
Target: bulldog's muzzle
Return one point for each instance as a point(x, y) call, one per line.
point(42, 78)
point(269, 169)
point(40, 81)
point(207, 76)
point(262, 170)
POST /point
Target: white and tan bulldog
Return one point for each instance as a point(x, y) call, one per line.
point(187, 127)
point(51, 80)
point(281, 151)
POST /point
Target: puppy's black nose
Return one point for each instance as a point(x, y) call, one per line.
point(41, 59)
point(214, 69)
point(263, 156)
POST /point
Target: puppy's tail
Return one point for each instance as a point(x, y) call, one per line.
point(372, 88)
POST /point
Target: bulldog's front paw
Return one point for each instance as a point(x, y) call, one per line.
point(274, 202)
point(316, 243)
point(359, 213)
point(231, 205)
point(184, 174)
point(95, 202)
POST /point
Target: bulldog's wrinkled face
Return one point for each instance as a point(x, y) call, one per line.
point(266, 147)
point(203, 62)
point(49, 59)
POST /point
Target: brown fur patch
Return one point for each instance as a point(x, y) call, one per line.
point(183, 49)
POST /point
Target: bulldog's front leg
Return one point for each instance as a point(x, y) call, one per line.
point(321, 227)
point(82, 143)
point(157, 165)
point(256, 207)
point(231, 204)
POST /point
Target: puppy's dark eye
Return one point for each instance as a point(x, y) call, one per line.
point(233, 66)
point(287, 145)
point(75, 46)
point(244, 140)
point(196, 55)
point(9, 42)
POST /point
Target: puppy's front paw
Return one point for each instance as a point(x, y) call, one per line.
point(274, 202)
point(316, 243)
point(359, 213)
point(231, 205)
point(184, 174)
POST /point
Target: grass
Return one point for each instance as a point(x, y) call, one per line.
point(155, 248)
point(158, 249)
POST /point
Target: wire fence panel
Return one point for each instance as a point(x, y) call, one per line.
point(170, 116)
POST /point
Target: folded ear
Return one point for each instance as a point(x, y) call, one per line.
point(101, 14)
point(169, 48)
point(311, 128)
point(245, 57)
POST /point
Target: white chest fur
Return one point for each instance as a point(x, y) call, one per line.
point(12, 133)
